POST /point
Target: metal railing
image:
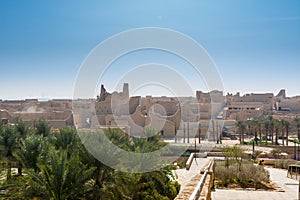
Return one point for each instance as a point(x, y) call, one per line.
point(197, 191)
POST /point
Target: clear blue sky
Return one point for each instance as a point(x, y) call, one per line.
point(255, 44)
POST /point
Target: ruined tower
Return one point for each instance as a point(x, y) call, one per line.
point(103, 93)
point(126, 90)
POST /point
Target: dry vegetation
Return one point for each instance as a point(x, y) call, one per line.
point(246, 176)
point(234, 172)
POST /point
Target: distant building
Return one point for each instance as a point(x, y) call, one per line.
point(57, 112)
point(169, 115)
point(249, 106)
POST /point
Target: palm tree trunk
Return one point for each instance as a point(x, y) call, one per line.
point(272, 135)
point(266, 135)
point(276, 139)
point(243, 136)
point(184, 133)
point(199, 133)
point(19, 168)
point(298, 131)
point(287, 136)
point(218, 136)
point(8, 175)
point(188, 132)
point(260, 139)
point(240, 133)
point(213, 126)
point(221, 135)
point(282, 136)
point(255, 135)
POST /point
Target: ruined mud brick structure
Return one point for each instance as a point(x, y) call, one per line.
point(134, 113)
point(287, 103)
point(57, 112)
point(248, 106)
point(170, 115)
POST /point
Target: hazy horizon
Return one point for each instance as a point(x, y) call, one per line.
point(144, 95)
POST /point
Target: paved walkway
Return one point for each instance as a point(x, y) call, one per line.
point(185, 176)
point(289, 186)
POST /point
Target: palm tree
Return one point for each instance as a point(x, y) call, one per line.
point(271, 127)
point(66, 138)
point(259, 126)
point(31, 148)
point(42, 128)
point(267, 128)
point(110, 184)
point(8, 144)
point(255, 129)
point(149, 142)
point(249, 127)
point(277, 127)
point(287, 125)
point(61, 177)
point(118, 137)
point(282, 127)
point(155, 185)
point(199, 133)
point(104, 177)
point(297, 124)
point(57, 173)
point(22, 128)
point(253, 126)
point(241, 127)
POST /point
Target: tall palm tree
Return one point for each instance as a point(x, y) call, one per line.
point(259, 127)
point(255, 129)
point(31, 148)
point(267, 129)
point(104, 177)
point(287, 125)
point(241, 128)
point(297, 124)
point(271, 127)
point(249, 127)
point(282, 128)
point(23, 130)
point(277, 127)
point(8, 144)
point(199, 133)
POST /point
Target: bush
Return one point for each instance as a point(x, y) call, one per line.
point(248, 176)
point(181, 162)
point(276, 153)
point(284, 163)
point(257, 152)
point(267, 155)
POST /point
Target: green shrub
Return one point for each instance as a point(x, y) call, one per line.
point(276, 153)
point(257, 152)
